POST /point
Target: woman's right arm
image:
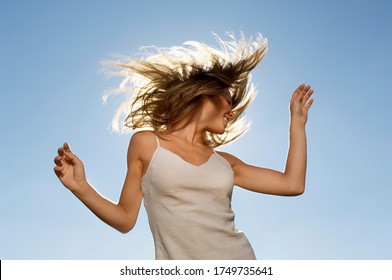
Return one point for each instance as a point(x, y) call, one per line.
point(121, 216)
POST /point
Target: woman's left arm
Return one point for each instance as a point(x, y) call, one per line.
point(295, 170)
point(292, 180)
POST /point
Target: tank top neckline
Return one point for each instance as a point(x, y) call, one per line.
point(181, 158)
point(185, 161)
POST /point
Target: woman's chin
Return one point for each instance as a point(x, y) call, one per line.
point(220, 131)
point(217, 131)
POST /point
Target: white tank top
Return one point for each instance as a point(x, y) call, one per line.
point(189, 208)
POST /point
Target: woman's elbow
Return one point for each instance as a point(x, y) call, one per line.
point(126, 228)
point(299, 192)
point(296, 190)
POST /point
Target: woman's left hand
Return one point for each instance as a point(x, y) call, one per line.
point(300, 103)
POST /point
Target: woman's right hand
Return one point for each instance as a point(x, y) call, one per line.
point(69, 169)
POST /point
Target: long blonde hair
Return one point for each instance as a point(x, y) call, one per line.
point(165, 85)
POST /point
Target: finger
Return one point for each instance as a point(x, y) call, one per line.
point(300, 87)
point(299, 97)
point(310, 102)
point(304, 93)
point(67, 152)
point(66, 147)
point(294, 97)
point(307, 95)
point(70, 157)
point(297, 93)
point(58, 160)
point(306, 88)
point(60, 151)
point(58, 170)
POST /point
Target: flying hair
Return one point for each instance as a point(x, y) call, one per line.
point(165, 85)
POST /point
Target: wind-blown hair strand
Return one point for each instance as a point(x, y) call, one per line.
point(165, 85)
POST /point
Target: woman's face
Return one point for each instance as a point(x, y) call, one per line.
point(217, 112)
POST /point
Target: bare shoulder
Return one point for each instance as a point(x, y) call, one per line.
point(142, 145)
point(146, 137)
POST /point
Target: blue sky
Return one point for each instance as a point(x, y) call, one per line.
point(51, 92)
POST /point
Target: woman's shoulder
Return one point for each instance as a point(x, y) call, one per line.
point(143, 143)
point(144, 136)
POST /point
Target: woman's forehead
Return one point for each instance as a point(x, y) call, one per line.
point(226, 93)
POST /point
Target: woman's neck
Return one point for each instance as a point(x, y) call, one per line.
point(189, 130)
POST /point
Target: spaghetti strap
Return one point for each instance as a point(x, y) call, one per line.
point(157, 138)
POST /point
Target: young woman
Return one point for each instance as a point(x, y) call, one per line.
point(191, 98)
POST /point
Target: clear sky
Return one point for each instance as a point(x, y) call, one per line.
point(51, 92)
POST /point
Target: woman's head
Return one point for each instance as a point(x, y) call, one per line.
point(216, 112)
point(168, 85)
